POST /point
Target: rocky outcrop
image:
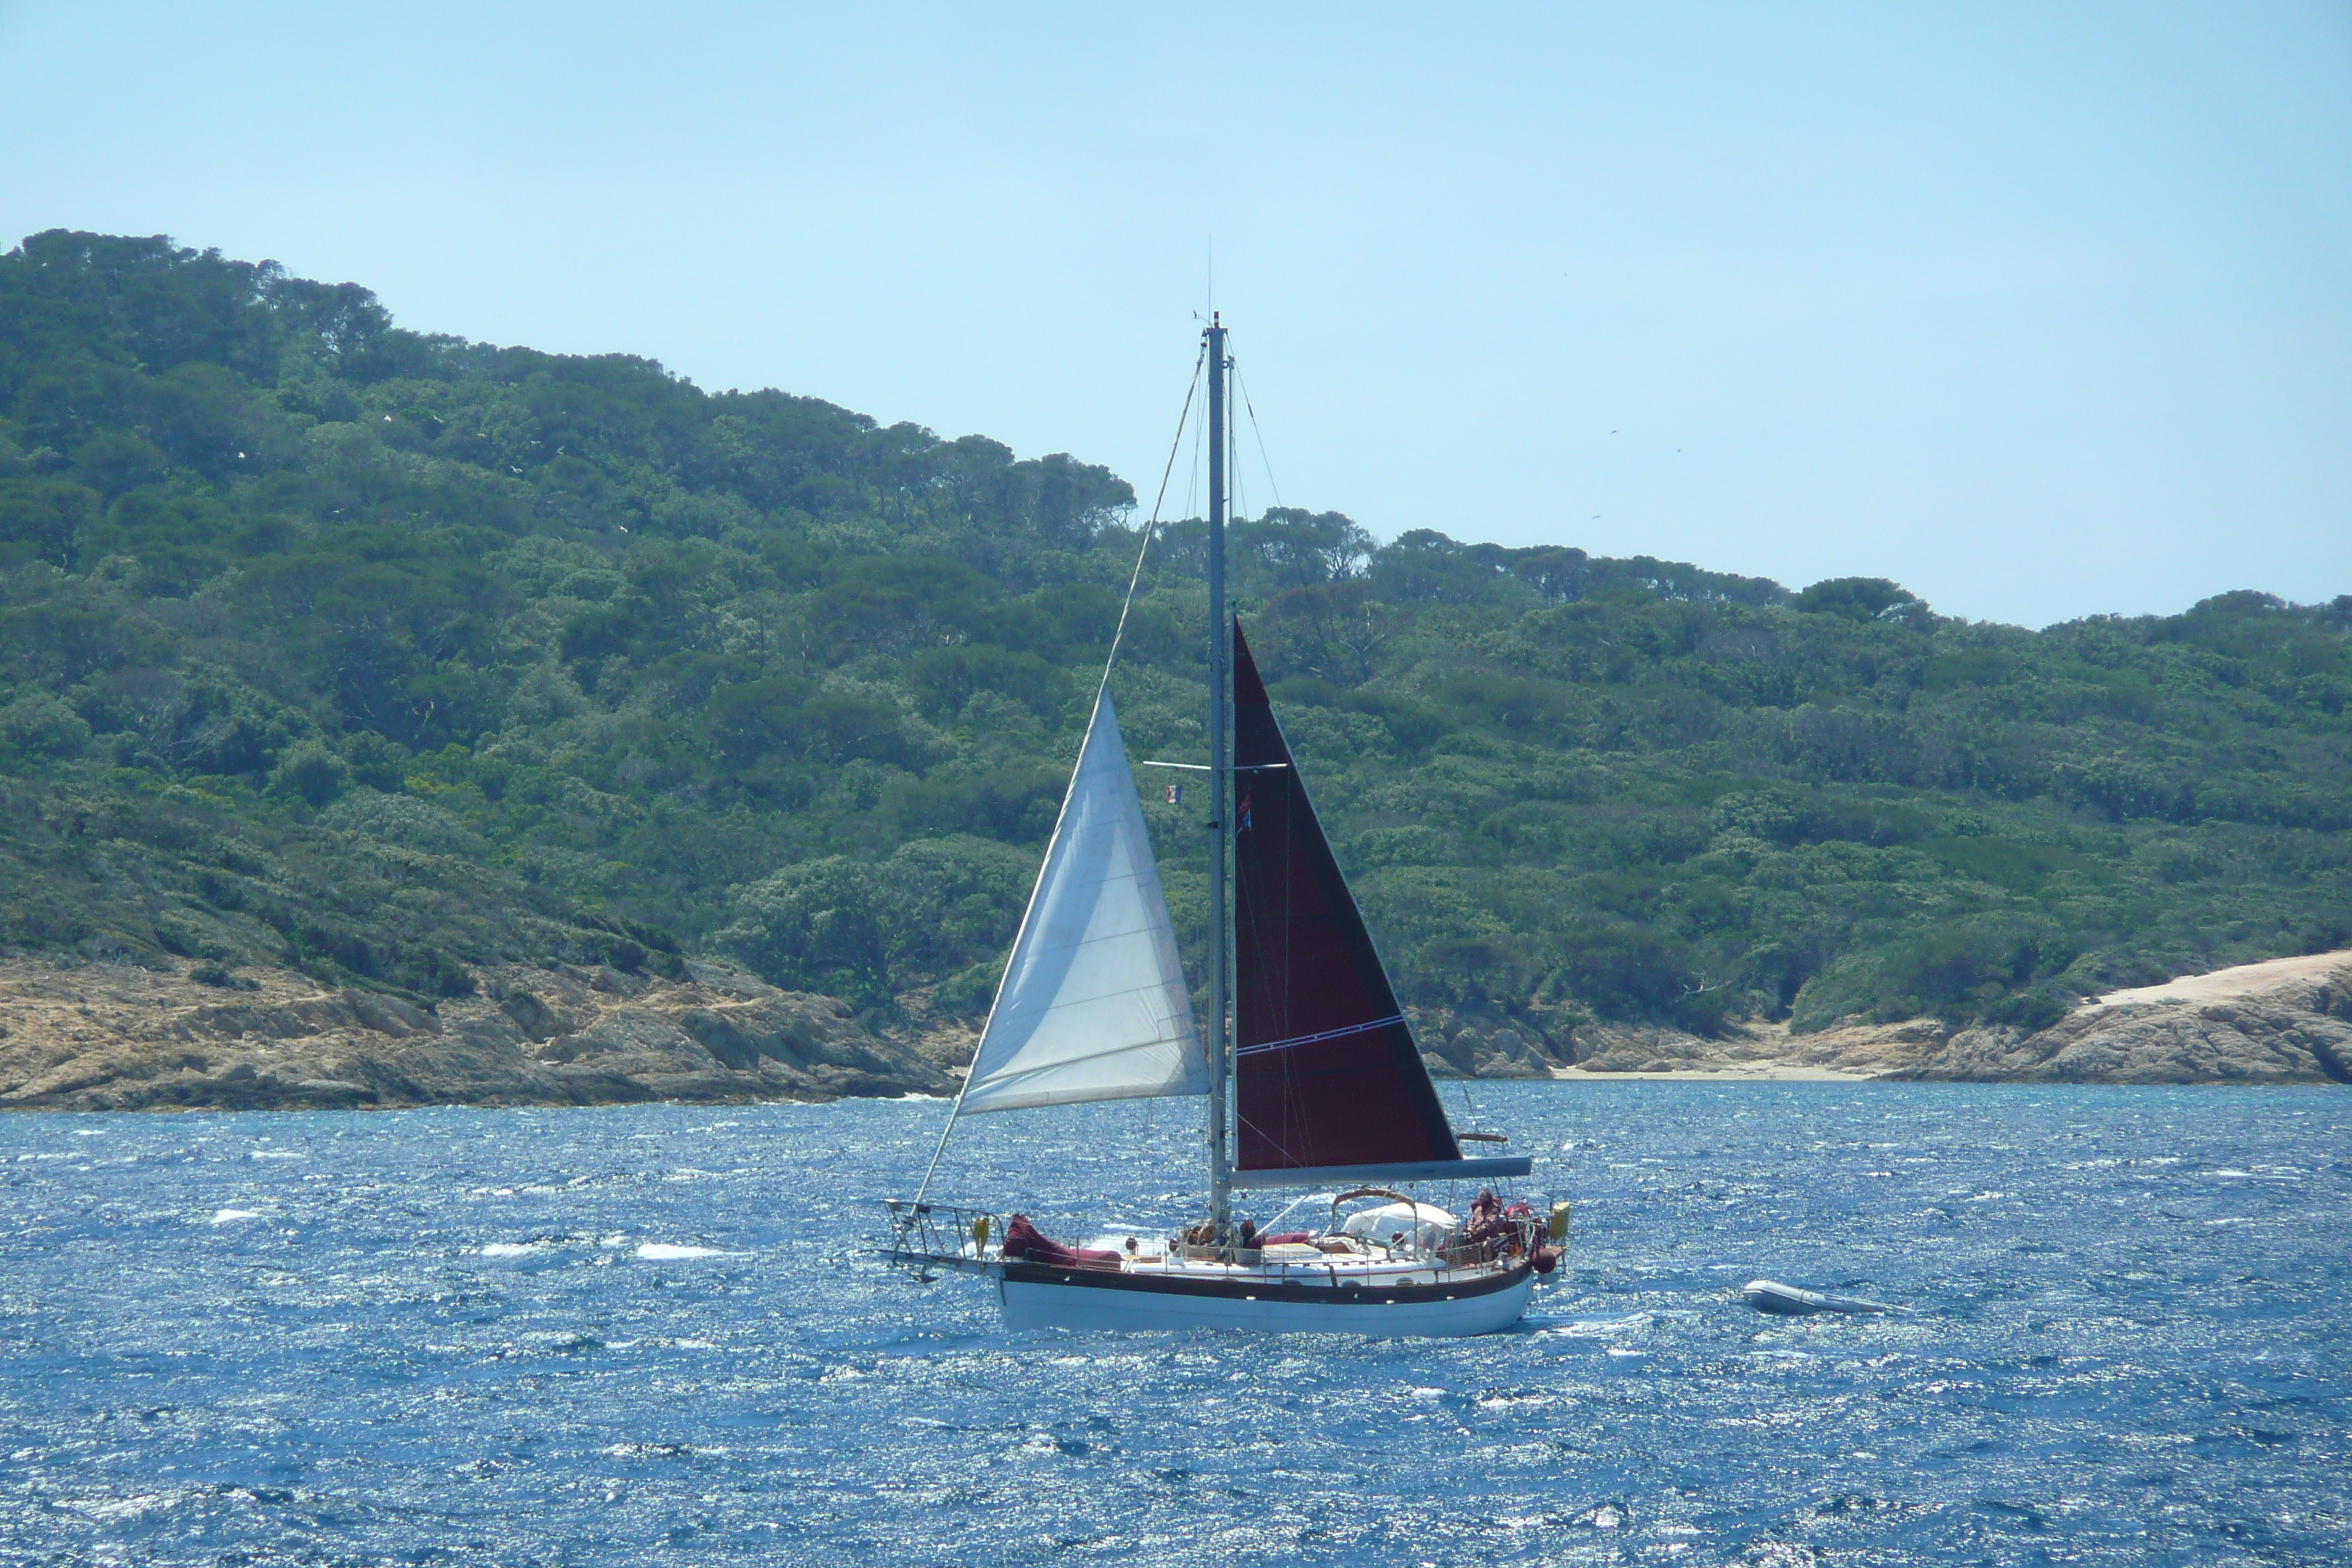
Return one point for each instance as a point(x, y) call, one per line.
point(2297, 1030)
point(109, 1036)
point(1456, 1046)
point(2286, 1021)
point(1572, 1046)
point(1742, 1051)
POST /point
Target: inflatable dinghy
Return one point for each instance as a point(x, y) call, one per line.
point(1787, 1301)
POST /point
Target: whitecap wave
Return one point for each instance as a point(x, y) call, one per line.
point(1600, 1328)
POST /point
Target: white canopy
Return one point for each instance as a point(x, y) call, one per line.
point(1426, 1223)
point(1093, 1004)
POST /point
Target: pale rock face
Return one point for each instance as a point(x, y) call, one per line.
point(2297, 1032)
point(1644, 1048)
point(113, 1037)
point(2265, 1028)
point(1508, 1054)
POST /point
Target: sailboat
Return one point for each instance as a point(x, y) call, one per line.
point(1308, 1066)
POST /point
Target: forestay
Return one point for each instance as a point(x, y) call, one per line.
point(1093, 1004)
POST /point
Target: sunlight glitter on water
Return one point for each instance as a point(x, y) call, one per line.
point(648, 1335)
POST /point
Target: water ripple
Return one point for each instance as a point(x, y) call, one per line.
point(648, 1335)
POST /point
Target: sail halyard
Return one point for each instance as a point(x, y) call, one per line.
point(1094, 1003)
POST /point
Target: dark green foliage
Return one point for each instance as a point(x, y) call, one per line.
point(330, 644)
point(868, 930)
point(1859, 599)
point(40, 518)
point(311, 772)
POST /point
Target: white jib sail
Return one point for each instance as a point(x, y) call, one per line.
point(1093, 1004)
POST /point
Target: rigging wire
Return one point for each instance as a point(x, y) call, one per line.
point(1236, 492)
point(1120, 630)
point(1232, 451)
point(1264, 461)
point(1193, 473)
point(1145, 545)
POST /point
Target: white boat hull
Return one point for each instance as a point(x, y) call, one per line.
point(1110, 1301)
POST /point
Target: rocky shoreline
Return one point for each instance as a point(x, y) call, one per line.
point(117, 1037)
point(2287, 1020)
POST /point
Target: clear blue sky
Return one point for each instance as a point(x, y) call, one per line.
point(2041, 310)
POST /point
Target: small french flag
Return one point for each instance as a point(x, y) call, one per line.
point(1175, 795)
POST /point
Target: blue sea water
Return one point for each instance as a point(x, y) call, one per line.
point(649, 1336)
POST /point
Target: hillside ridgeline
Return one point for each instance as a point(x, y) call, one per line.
point(409, 664)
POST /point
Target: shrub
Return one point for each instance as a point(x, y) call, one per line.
point(311, 772)
point(867, 930)
point(40, 725)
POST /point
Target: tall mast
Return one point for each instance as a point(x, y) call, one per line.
point(1220, 783)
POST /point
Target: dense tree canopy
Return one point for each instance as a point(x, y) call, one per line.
point(329, 643)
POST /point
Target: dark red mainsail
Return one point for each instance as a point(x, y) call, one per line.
point(1325, 1070)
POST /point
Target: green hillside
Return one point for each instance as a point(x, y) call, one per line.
point(329, 644)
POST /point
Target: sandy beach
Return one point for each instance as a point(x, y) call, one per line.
point(1771, 1071)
